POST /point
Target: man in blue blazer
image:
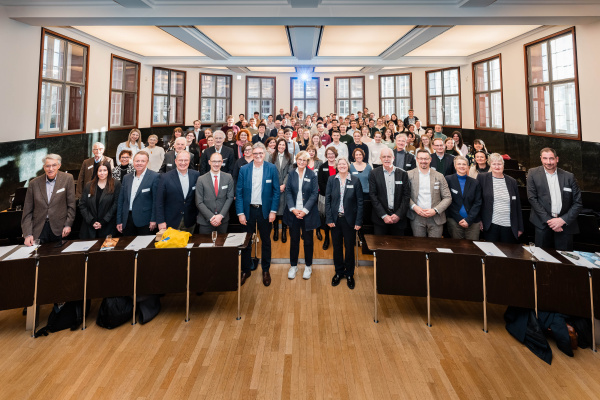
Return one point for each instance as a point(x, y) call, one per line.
point(175, 198)
point(463, 214)
point(256, 203)
point(136, 210)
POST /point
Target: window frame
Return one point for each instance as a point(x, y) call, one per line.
point(292, 98)
point(394, 98)
point(228, 111)
point(110, 90)
point(335, 98)
point(40, 81)
point(550, 83)
point(442, 96)
point(489, 91)
point(274, 99)
point(152, 124)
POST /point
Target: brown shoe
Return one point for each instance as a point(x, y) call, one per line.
point(266, 278)
point(245, 276)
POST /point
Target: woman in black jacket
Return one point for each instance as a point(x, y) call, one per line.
point(327, 169)
point(98, 205)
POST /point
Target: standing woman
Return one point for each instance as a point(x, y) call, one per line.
point(450, 147)
point(193, 148)
point(230, 141)
point(177, 132)
point(270, 144)
point(401, 127)
point(394, 119)
point(361, 170)
point(125, 166)
point(98, 205)
point(501, 217)
point(314, 162)
point(375, 148)
point(242, 138)
point(460, 145)
point(316, 142)
point(203, 143)
point(157, 154)
point(303, 138)
point(426, 144)
point(366, 139)
point(301, 213)
point(391, 125)
point(344, 214)
point(388, 138)
point(478, 144)
point(293, 147)
point(240, 162)
point(327, 169)
point(133, 143)
point(481, 165)
point(283, 162)
point(411, 148)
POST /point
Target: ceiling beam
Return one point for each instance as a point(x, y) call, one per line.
point(133, 3)
point(304, 3)
point(369, 70)
point(304, 41)
point(239, 70)
point(476, 3)
point(412, 40)
point(197, 40)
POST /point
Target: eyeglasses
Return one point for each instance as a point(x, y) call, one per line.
point(302, 159)
point(258, 154)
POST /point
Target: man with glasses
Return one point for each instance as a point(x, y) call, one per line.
point(89, 168)
point(441, 161)
point(225, 151)
point(256, 203)
point(214, 194)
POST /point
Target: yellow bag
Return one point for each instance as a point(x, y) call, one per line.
point(172, 238)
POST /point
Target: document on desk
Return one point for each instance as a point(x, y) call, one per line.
point(490, 249)
point(5, 249)
point(234, 240)
point(587, 260)
point(206, 245)
point(542, 255)
point(140, 242)
point(80, 246)
point(189, 245)
point(443, 250)
point(21, 252)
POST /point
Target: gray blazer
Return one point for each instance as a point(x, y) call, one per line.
point(283, 171)
point(440, 194)
point(208, 204)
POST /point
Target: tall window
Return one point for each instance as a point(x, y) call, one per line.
point(168, 96)
point(553, 91)
point(487, 83)
point(260, 96)
point(62, 89)
point(349, 95)
point(395, 94)
point(305, 95)
point(215, 98)
point(443, 97)
point(124, 88)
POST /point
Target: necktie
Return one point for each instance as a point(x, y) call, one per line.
point(216, 186)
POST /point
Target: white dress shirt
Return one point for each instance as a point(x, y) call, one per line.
point(555, 196)
point(299, 202)
point(185, 182)
point(424, 199)
point(135, 186)
point(257, 175)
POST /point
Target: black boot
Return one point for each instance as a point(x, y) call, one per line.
point(283, 233)
point(276, 230)
point(326, 241)
point(319, 236)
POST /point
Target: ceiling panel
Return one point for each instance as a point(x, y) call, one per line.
point(272, 69)
point(249, 41)
point(338, 69)
point(461, 41)
point(148, 41)
point(357, 41)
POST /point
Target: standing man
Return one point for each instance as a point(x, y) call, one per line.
point(230, 125)
point(89, 168)
point(169, 160)
point(438, 134)
point(325, 138)
point(270, 123)
point(260, 136)
point(555, 201)
point(198, 130)
point(281, 115)
point(411, 119)
point(402, 158)
point(136, 213)
point(441, 161)
point(256, 203)
point(353, 127)
point(430, 197)
point(389, 190)
point(49, 209)
point(173, 187)
point(341, 148)
point(276, 129)
point(214, 194)
point(225, 151)
point(239, 123)
point(344, 136)
point(464, 212)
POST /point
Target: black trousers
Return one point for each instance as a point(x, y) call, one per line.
point(558, 240)
point(47, 236)
point(132, 230)
point(381, 228)
point(264, 230)
point(343, 236)
point(208, 229)
point(497, 233)
point(297, 225)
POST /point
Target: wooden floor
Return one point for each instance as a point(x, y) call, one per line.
point(296, 339)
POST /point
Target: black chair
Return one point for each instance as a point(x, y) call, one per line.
point(110, 274)
point(61, 278)
point(509, 282)
point(520, 176)
point(17, 283)
point(19, 198)
point(10, 226)
point(161, 271)
point(214, 269)
point(563, 288)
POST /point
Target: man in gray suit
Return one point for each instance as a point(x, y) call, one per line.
point(49, 209)
point(170, 156)
point(555, 201)
point(429, 199)
point(214, 194)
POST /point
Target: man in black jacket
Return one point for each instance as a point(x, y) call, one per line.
point(463, 214)
point(226, 153)
point(440, 160)
point(403, 159)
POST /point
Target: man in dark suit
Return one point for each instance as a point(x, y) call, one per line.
point(215, 192)
point(463, 213)
point(257, 203)
point(411, 119)
point(440, 161)
point(276, 129)
point(169, 160)
point(136, 213)
point(555, 201)
point(198, 131)
point(389, 190)
point(261, 136)
point(402, 158)
point(89, 168)
point(280, 116)
point(225, 151)
point(173, 187)
point(49, 208)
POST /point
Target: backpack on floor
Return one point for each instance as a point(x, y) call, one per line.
point(115, 311)
point(67, 315)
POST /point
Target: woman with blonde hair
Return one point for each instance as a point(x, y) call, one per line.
point(426, 144)
point(156, 154)
point(133, 143)
point(315, 140)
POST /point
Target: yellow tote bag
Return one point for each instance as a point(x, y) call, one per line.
point(172, 238)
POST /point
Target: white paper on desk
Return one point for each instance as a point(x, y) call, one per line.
point(582, 262)
point(206, 245)
point(234, 240)
point(542, 255)
point(80, 246)
point(21, 252)
point(140, 242)
point(490, 249)
point(6, 249)
point(444, 250)
point(189, 245)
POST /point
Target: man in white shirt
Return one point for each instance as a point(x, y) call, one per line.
point(341, 148)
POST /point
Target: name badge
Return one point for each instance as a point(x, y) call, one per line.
point(408, 165)
point(349, 186)
point(224, 160)
point(90, 167)
point(60, 190)
point(398, 182)
point(224, 187)
point(325, 168)
point(89, 195)
point(567, 189)
point(169, 165)
point(193, 187)
point(145, 190)
point(355, 173)
point(454, 191)
point(306, 180)
point(514, 197)
point(268, 181)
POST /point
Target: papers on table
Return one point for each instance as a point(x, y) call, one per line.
point(140, 242)
point(80, 246)
point(542, 255)
point(443, 250)
point(21, 252)
point(587, 260)
point(189, 245)
point(234, 240)
point(5, 249)
point(206, 245)
point(490, 249)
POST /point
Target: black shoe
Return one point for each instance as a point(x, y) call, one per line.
point(326, 242)
point(319, 236)
point(266, 278)
point(350, 282)
point(336, 280)
point(245, 275)
point(283, 234)
point(255, 262)
point(275, 234)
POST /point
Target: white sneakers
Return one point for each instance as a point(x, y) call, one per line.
point(294, 270)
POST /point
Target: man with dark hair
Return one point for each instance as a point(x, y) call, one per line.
point(261, 136)
point(411, 119)
point(325, 138)
point(280, 116)
point(441, 161)
point(239, 123)
point(278, 126)
point(270, 123)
